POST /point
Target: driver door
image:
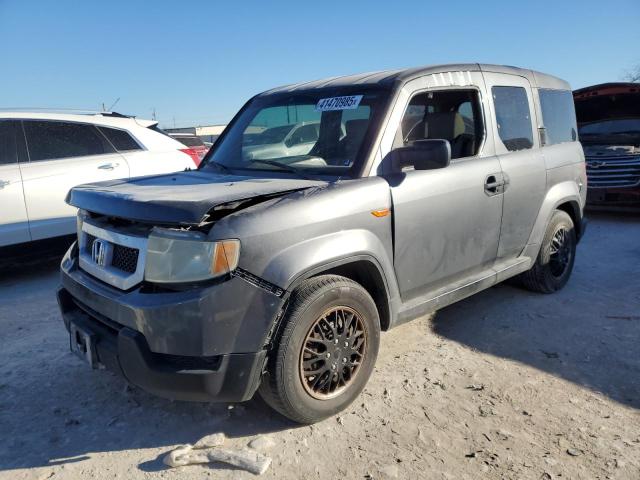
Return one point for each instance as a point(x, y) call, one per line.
point(446, 221)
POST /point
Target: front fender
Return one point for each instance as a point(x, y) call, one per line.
point(288, 239)
point(297, 262)
point(358, 251)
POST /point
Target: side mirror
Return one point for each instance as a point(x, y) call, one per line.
point(422, 155)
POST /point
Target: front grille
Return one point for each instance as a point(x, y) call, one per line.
point(125, 258)
point(119, 258)
point(611, 172)
point(90, 239)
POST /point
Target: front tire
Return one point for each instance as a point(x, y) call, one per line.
point(325, 350)
point(555, 260)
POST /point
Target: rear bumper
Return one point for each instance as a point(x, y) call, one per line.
point(124, 351)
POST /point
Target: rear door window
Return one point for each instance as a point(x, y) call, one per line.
point(513, 117)
point(120, 139)
point(51, 140)
point(558, 115)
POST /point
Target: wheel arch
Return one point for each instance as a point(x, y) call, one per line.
point(364, 270)
point(572, 208)
point(564, 196)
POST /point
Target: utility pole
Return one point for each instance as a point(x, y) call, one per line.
point(153, 113)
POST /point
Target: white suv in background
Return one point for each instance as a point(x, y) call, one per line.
point(43, 155)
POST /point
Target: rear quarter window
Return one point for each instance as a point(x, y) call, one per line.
point(513, 117)
point(120, 139)
point(558, 115)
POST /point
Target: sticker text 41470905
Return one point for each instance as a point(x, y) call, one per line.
point(349, 102)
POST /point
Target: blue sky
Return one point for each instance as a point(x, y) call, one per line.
point(198, 62)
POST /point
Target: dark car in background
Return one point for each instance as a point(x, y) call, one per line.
point(609, 129)
point(196, 146)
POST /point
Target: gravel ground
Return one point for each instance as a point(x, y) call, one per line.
point(506, 384)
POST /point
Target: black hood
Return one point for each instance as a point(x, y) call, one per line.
point(607, 101)
point(179, 198)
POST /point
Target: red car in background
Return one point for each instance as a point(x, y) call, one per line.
point(196, 147)
point(609, 129)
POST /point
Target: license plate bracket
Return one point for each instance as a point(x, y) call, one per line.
point(82, 343)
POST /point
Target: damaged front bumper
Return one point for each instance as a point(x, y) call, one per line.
point(202, 344)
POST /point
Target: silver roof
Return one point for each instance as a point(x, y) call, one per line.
point(390, 78)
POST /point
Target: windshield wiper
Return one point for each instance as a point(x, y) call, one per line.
point(284, 167)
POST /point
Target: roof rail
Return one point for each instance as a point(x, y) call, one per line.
point(75, 111)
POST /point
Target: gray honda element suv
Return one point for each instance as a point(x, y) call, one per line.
point(277, 274)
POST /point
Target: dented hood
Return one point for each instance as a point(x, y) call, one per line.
point(179, 198)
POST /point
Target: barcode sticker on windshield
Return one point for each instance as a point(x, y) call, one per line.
point(349, 102)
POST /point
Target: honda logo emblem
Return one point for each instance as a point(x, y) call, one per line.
point(99, 252)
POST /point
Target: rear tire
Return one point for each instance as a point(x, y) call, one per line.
point(324, 351)
point(554, 263)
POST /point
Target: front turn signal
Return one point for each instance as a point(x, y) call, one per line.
point(382, 212)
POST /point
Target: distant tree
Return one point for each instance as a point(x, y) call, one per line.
point(633, 75)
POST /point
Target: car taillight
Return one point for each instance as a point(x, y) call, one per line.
point(193, 153)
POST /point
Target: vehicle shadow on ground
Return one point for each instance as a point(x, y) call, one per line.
point(55, 410)
point(23, 261)
point(98, 412)
point(587, 333)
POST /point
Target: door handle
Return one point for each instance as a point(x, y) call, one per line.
point(494, 184)
point(4, 183)
point(109, 166)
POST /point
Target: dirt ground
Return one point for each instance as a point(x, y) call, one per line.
point(507, 384)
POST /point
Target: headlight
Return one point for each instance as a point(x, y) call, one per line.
point(176, 257)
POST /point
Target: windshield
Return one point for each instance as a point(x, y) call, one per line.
point(320, 131)
point(627, 126)
point(272, 135)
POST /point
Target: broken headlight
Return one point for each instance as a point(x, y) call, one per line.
point(178, 257)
